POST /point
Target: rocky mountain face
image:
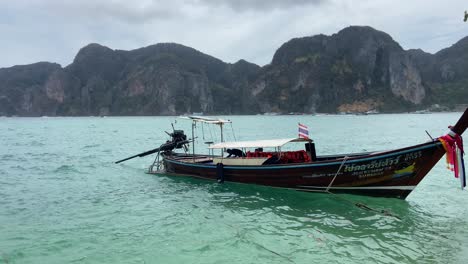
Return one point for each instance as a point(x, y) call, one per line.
point(358, 69)
point(444, 74)
point(164, 79)
point(27, 90)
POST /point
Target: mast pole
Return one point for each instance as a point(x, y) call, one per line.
point(222, 138)
point(221, 125)
point(193, 143)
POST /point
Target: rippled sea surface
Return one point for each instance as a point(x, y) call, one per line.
point(63, 200)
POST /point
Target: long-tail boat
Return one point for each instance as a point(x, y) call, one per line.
point(392, 173)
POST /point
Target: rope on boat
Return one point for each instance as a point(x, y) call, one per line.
point(357, 204)
point(260, 245)
point(276, 253)
point(233, 134)
point(368, 208)
point(336, 174)
point(429, 135)
point(383, 212)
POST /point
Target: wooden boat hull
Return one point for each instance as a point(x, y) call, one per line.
point(388, 174)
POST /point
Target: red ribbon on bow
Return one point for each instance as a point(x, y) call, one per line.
point(453, 145)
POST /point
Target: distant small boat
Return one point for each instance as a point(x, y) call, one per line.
point(392, 173)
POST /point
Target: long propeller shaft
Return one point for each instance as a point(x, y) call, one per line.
point(163, 147)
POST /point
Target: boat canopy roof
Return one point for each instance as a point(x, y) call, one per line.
point(269, 143)
point(207, 120)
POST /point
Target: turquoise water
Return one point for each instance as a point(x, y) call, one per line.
point(63, 200)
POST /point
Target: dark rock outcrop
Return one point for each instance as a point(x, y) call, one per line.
point(358, 64)
point(356, 69)
point(30, 90)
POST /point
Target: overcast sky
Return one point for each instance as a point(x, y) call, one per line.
point(54, 30)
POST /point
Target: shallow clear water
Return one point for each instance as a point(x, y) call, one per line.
point(63, 200)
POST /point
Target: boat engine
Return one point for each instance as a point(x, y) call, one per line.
point(178, 140)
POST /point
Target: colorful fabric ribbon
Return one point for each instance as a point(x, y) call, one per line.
point(453, 145)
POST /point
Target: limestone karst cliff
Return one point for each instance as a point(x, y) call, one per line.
point(357, 69)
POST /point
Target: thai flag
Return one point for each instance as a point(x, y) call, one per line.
point(303, 131)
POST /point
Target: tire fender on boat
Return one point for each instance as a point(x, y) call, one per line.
point(220, 172)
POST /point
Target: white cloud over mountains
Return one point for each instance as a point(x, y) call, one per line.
point(54, 30)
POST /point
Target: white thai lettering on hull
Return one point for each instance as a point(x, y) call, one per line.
point(393, 165)
point(376, 164)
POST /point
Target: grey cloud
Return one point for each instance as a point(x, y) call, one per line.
point(125, 11)
point(132, 12)
point(54, 30)
point(258, 5)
